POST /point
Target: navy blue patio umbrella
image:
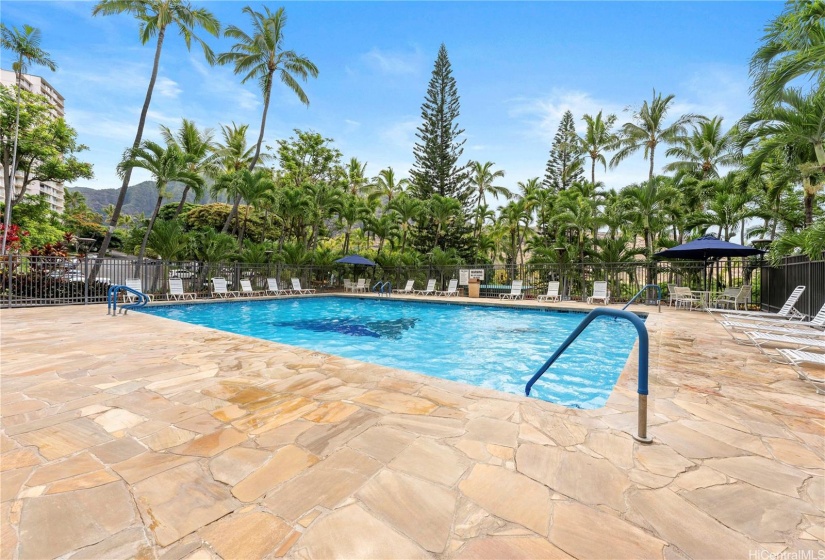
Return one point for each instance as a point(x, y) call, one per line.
point(705, 248)
point(355, 259)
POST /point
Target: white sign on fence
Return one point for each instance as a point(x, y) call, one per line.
point(465, 274)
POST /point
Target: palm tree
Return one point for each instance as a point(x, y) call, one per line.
point(25, 45)
point(648, 130)
point(325, 201)
point(442, 210)
point(598, 138)
point(481, 180)
point(261, 56)
point(794, 46)
point(155, 16)
point(350, 212)
point(796, 123)
point(702, 151)
point(168, 239)
point(253, 187)
point(386, 186)
point(384, 227)
point(198, 150)
point(646, 206)
point(232, 156)
point(165, 165)
point(409, 210)
point(355, 176)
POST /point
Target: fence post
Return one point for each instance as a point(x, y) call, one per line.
point(86, 277)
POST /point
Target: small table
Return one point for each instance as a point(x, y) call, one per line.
point(705, 295)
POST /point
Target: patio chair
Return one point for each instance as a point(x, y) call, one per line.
point(246, 289)
point(408, 289)
point(361, 286)
point(552, 293)
point(788, 311)
point(798, 357)
point(273, 289)
point(176, 290)
point(671, 293)
point(515, 291)
point(297, 289)
point(347, 285)
point(429, 290)
point(452, 289)
point(684, 297)
point(135, 284)
point(219, 289)
point(599, 292)
point(728, 297)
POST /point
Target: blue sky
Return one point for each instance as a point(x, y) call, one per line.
point(518, 67)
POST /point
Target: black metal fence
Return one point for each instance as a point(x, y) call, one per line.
point(33, 281)
point(779, 281)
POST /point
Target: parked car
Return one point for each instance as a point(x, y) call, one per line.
point(180, 273)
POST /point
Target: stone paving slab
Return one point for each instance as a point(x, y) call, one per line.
point(142, 437)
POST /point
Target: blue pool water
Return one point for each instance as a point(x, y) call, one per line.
point(493, 347)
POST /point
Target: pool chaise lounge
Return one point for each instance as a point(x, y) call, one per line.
point(814, 327)
point(247, 290)
point(599, 293)
point(273, 289)
point(219, 289)
point(515, 291)
point(552, 293)
point(761, 339)
point(297, 289)
point(452, 290)
point(408, 289)
point(798, 357)
point(429, 290)
point(137, 285)
point(176, 290)
point(787, 312)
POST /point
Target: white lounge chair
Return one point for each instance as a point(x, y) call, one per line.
point(552, 293)
point(361, 286)
point(296, 287)
point(600, 293)
point(760, 339)
point(176, 290)
point(818, 322)
point(246, 289)
point(408, 289)
point(813, 328)
point(452, 289)
point(798, 357)
point(515, 291)
point(135, 284)
point(219, 289)
point(273, 289)
point(429, 290)
point(788, 311)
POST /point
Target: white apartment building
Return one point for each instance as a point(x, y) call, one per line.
point(36, 84)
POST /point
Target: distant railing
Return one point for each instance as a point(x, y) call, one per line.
point(31, 281)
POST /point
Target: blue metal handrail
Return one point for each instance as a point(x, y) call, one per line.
point(380, 286)
point(643, 360)
point(658, 295)
point(111, 299)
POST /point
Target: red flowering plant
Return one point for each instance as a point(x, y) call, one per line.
point(12, 238)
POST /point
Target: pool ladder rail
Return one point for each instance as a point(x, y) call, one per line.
point(111, 299)
point(643, 290)
point(641, 435)
point(380, 286)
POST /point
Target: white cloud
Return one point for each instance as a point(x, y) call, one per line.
point(393, 62)
point(352, 123)
point(222, 83)
point(400, 134)
point(166, 87)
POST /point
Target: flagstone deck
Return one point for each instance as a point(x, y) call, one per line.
point(142, 437)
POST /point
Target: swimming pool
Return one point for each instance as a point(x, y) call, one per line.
point(493, 347)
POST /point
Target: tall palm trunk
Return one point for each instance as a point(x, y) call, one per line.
point(182, 201)
point(127, 176)
point(243, 228)
point(263, 123)
point(593, 169)
point(146, 235)
point(232, 214)
point(9, 182)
